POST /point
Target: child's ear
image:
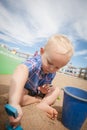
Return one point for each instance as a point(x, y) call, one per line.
point(41, 50)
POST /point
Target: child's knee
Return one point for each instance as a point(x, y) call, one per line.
point(55, 88)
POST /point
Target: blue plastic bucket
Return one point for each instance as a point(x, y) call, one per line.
point(74, 110)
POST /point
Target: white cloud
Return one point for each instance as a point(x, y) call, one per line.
point(85, 57)
point(34, 19)
point(43, 17)
point(81, 28)
point(82, 52)
point(14, 26)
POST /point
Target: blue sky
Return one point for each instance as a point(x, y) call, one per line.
point(26, 25)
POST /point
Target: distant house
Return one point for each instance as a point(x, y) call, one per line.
point(4, 46)
point(70, 69)
point(13, 51)
point(83, 73)
point(23, 55)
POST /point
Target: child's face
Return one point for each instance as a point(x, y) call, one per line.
point(52, 62)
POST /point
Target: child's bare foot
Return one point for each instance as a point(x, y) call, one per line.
point(51, 112)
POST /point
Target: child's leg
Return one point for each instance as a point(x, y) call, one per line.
point(48, 100)
point(27, 99)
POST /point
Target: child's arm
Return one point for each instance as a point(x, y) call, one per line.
point(18, 81)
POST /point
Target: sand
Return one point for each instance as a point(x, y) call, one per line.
point(33, 118)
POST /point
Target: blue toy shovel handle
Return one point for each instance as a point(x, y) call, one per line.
point(11, 111)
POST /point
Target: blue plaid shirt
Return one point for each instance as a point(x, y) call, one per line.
point(36, 75)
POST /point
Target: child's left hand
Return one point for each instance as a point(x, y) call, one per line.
point(44, 89)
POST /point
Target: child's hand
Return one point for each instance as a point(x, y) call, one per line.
point(16, 121)
point(44, 89)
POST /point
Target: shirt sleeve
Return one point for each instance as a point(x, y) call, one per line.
point(31, 64)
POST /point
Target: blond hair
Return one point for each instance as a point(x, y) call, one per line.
point(62, 45)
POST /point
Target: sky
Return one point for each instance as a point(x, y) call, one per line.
point(26, 25)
